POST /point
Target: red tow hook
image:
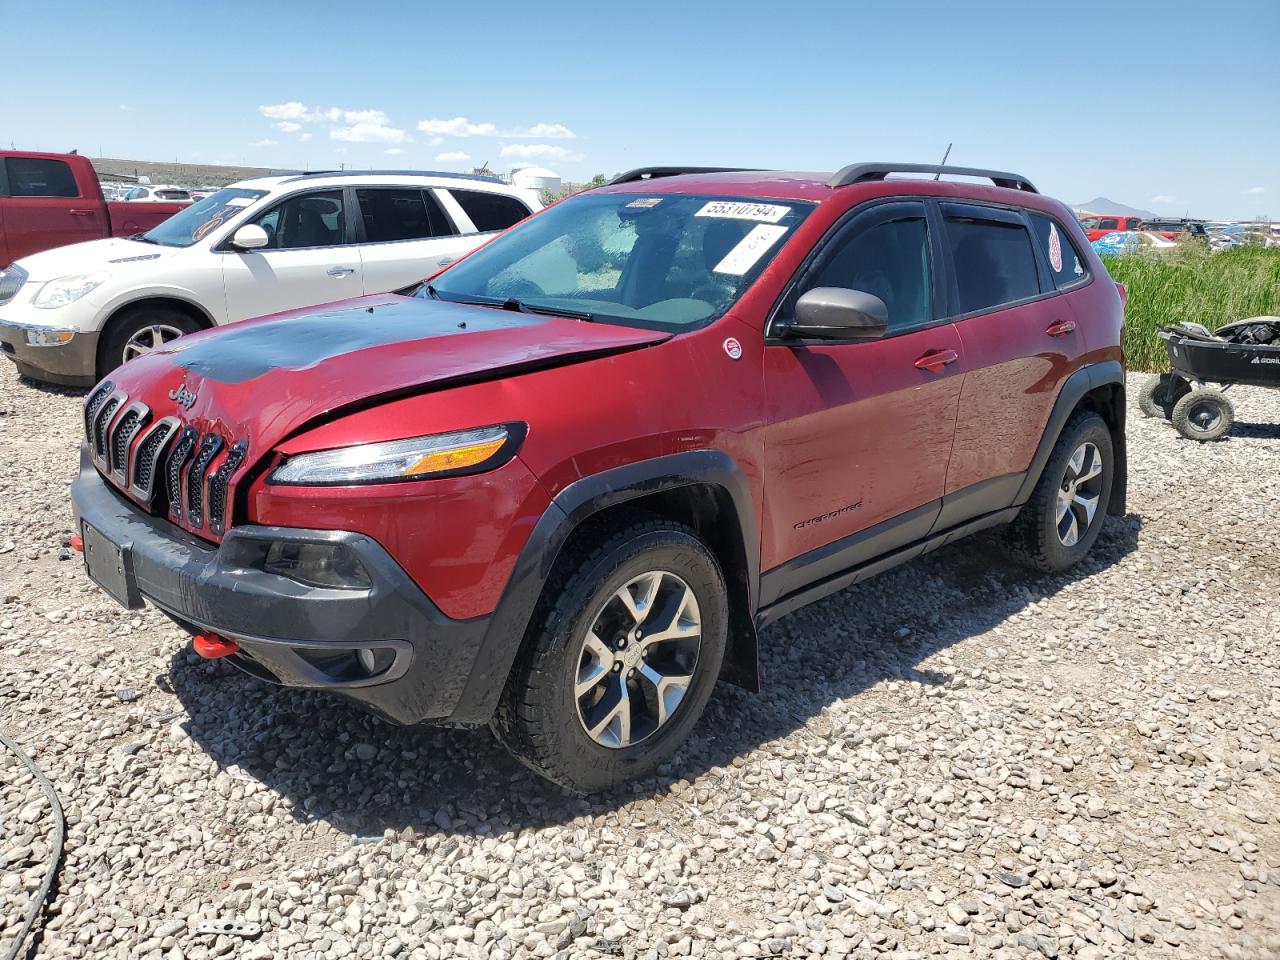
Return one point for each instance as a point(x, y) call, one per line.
point(77, 543)
point(211, 646)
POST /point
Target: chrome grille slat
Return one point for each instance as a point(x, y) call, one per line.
point(173, 469)
point(120, 439)
point(93, 405)
point(218, 483)
point(208, 449)
point(146, 458)
point(101, 420)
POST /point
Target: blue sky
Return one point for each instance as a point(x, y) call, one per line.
point(1171, 106)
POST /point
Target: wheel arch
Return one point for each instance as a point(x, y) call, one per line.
point(702, 489)
point(1098, 388)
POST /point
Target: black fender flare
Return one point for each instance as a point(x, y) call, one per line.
point(573, 505)
point(1077, 386)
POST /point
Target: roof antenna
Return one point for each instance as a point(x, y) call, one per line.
point(947, 153)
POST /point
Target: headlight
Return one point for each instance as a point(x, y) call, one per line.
point(444, 454)
point(64, 290)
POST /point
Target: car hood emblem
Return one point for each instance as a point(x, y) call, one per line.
point(183, 397)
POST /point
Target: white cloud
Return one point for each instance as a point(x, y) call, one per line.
point(394, 152)
point(288, 126)
point(1256, 190)
point(126, 108)
point(436, 141)
point(304, 137)
point(368, 132)
point(293, 110)
point(453, 156)
point(545, 131)
point(1162, 198)
point(538, 151)
point(457, 127)
point(264, 143)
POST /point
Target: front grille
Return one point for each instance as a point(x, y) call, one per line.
point(209, 448)
point(101, 419)
point(218, 486)
point(173, 470)
point(93, 405)
point(121, 436)
point(146, 458)
point(11, 281)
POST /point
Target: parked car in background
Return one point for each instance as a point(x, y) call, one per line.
point(53, 199)
point(1095, 227)
point(257, 247)
point(1131, 241)
point(157, 193)
point(1175, 228)
point(559, 487)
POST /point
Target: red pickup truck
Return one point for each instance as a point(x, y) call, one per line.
point(53, 199)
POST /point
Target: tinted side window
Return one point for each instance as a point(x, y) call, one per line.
point(33, 177)
point(311, 220)
point(391, 215)
point(994, 263)
point(1108, 223)
point(889, 260)
point(1065, 262)
point(490, 211)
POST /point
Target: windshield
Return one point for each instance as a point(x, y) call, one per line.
point(204, 216)
point(669, 262)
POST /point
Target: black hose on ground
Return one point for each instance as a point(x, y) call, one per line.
point(37, 904)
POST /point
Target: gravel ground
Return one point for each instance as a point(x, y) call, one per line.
point(953, 759)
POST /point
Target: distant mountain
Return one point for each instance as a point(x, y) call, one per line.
point(1103, 205)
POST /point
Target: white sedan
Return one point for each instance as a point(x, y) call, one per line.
point(72, 314)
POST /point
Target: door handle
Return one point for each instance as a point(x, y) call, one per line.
point(1060, 328)
point(81, 213)
point(935, 360)
point(341, 271)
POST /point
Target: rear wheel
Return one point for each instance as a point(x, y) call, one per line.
point(620, 659)
point(1063, 516)
point(1204, 414)
point(139, 332)
point(1159, 395)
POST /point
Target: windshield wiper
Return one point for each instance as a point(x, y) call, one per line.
point(513, 304)
point(143, 238)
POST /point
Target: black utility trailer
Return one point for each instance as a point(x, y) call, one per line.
point(1246, 353)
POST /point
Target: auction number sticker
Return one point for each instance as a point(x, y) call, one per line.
point(750, 249)
point(645, 203)
point(738, 210)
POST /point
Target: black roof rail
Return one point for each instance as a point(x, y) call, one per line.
point(863, 172)
point(653, 173)
point(396, 173)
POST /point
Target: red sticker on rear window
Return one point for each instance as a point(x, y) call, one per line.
point(1055, 249)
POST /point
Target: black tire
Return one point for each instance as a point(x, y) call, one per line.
point(1204, 414)
point(1035, 537)
point(1159, 395)
point(125, 327)
point(538, 718)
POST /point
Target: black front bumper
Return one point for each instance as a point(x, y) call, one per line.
point(289, 632)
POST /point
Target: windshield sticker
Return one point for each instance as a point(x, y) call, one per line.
point(737, 210)
point(644, 203)
point(750, 249)
point(240, 201)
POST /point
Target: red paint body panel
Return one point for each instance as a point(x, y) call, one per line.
point(31, 224)
point(814, 429)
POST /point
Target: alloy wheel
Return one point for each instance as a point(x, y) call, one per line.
point(638, 659)
point(1079, 493)
point(147, 339)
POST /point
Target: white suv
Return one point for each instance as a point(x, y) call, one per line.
point(261, 246)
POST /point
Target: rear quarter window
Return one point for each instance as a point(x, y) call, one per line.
point(1065, 263)
point(490, 211)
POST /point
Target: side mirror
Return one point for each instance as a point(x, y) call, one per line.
point(250, 237)
point(834, 313)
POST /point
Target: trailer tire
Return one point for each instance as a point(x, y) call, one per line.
point(1204, 414)
point(1159, 395)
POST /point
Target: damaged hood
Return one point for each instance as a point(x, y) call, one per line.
point(263, 380)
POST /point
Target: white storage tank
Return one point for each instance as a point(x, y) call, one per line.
point(537, 179)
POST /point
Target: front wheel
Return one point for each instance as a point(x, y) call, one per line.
point(1204, 414)
point(1063, 516)
point(139, 332)
point(620, 659)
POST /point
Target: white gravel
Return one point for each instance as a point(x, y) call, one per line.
point(953, 759)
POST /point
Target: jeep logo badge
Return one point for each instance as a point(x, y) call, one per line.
point(183, 397)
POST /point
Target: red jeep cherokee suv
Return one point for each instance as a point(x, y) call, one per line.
point(561, 486)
